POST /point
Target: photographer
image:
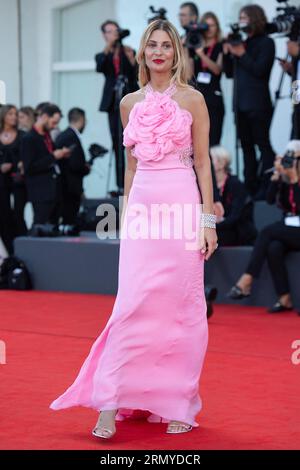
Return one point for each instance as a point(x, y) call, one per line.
point(293, 69)
point(11, 177)
point(253, 61)
point(42, 172)
point(236, 227)
point(277, 239)
point(207, 71)
point(74, 168)
point(188, 14)
point(115, 59)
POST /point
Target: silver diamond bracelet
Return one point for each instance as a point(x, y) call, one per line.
point(208, 220)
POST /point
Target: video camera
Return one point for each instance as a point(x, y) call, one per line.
point(159, 14)
point(96, 151)
point(287, 22)
point(235, 37)
point(194, 34)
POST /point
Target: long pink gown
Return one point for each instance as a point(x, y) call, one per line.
point(150, 354)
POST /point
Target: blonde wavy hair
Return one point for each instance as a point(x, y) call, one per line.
point(221, 154)
point(179, 69)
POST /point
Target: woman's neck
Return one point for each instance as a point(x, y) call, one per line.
point(9, 129)
point(160, 81)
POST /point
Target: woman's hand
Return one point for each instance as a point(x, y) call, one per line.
point(237, 50)
point(286, 65)
point(62, 153)
point(6, 167)
point(200, 51)
point(226, 48)
point(21, 167)
point(275, 176)
point(291, 174)
point(278, 168)
point(210, 242)
point(219, 209)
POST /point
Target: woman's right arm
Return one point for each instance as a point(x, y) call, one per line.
point(125, 108)
point(214, 67)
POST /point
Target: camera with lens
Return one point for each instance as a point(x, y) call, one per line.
point(286, 22)
point(194, 34)
point(159, 14)
point(96, 151)
point(236, 36)
point(123, 33)
point(288, 159)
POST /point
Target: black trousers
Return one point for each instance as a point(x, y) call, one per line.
point(49, 212)
point(20, 198)
point(253, 130)
point(113, 118)
point(7, 228)
point(216, 116)
point(227, 236)
point(272, 243)
point(70, 208)
point(46, 212)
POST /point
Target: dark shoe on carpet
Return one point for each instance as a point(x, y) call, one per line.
point(211, 293)
point(210, 310)
point(236, 293)
point(278, 307)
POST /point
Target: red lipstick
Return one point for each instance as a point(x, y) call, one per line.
point(158, 61)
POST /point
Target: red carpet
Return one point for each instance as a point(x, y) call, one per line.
point(250, 387)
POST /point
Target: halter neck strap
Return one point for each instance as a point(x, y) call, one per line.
point(169, 91)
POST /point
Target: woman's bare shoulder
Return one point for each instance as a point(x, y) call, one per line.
point(194, 96)
point(129, 100)
point(189, 93)
point(191, 99)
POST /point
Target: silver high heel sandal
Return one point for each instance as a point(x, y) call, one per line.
point(103, 431)
point(177, 427)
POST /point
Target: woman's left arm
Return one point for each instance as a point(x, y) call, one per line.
point(214, 67)
point(202, 165)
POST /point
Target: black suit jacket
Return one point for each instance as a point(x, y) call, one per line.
point(73, 168)
point(41, 178)
point(253, 73)
point(104, 64)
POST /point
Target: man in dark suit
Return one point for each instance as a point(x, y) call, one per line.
point(42, 172)
point(115, 59)
point(74, 168)
point(254, 59)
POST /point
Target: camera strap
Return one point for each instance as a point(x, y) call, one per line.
point(292, 200)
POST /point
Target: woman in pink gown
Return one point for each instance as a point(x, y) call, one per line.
point(150, 354)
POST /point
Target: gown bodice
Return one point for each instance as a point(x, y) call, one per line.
point(159, 131)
